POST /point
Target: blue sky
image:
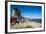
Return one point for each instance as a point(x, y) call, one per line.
point(34, 12)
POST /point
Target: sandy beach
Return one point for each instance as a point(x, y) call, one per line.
point(27, 24)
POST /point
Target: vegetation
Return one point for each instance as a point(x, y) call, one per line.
point(28, 26)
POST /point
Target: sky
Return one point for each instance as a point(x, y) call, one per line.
point(34, 12)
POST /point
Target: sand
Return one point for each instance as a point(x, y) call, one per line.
point(26, 24)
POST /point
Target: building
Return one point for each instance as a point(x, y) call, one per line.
point(17, 16)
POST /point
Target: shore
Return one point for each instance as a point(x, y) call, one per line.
point(26, 24)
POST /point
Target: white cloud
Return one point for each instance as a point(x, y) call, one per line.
point(27, 16)
point(33, 17)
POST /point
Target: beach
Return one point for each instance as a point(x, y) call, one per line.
point(27, 24)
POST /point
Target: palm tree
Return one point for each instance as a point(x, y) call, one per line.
point(17, 12)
